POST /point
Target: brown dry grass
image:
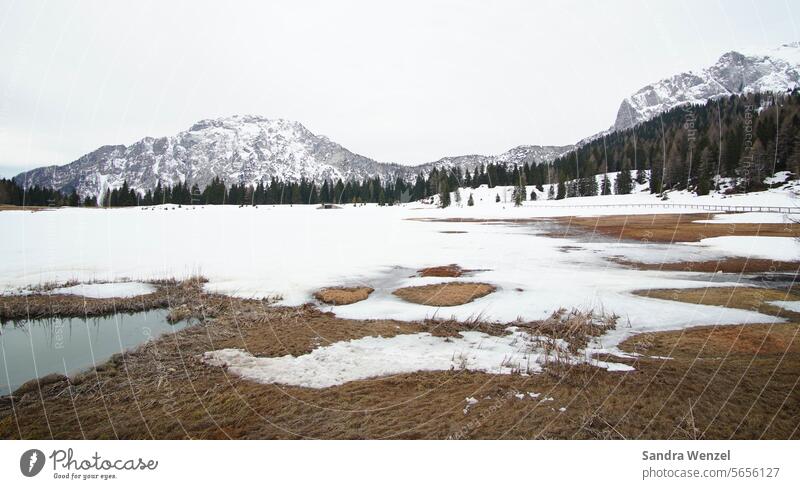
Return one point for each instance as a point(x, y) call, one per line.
point(168, 293)
point(162, 390)
point(668, 228)
point(339, 296)
point(441, 271)
point(726, 265)
point(750, 298)
point(574, 326)
point(445, 294)
point(32, 208)
point(707, 342)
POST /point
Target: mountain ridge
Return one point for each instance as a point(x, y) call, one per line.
point(244, 149)
point(734, 73)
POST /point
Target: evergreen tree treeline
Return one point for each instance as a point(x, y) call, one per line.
point(13, 194)
point(746, 137)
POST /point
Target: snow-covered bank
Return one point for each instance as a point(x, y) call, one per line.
point(485, 201)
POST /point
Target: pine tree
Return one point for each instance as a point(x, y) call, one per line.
point(497, 198)
point(551, 192)
point(705, 172)
point(296, 197)
point(641, 176)
point(605, 187)
point(751, 169)
point(623, 182)
point(519, 194)
point(444, 191)
point(470, 201)
point(562, 190)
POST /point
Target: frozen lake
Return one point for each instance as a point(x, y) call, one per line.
point(292, 251)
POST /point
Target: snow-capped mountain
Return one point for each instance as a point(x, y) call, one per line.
point(517, 156)
point(242, 149)
point(777, 70)
point(238, 149)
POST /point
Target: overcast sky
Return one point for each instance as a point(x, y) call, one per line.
point(403, 81)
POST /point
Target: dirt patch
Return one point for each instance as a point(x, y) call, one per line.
point(340, 296)
point(667, 228)
point(442, 271)
point(445, 294)
point(725, 265)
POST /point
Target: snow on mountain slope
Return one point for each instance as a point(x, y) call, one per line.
point(241, 149)
point(734, 73)
point(518, 156)
point(238, 149)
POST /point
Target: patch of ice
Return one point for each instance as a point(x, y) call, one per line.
point(748, 218)
point(793, 306)
point(767, 247)
point(107, 290)
point(364, 358)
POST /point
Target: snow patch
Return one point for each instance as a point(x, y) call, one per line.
point(107, 290)
point(767, 247)
point(793, 306)
point(748, 218)
point(369, 357)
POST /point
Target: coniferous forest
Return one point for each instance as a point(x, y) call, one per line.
point(742, 137)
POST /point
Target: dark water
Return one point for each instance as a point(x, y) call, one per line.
point(32, 349)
